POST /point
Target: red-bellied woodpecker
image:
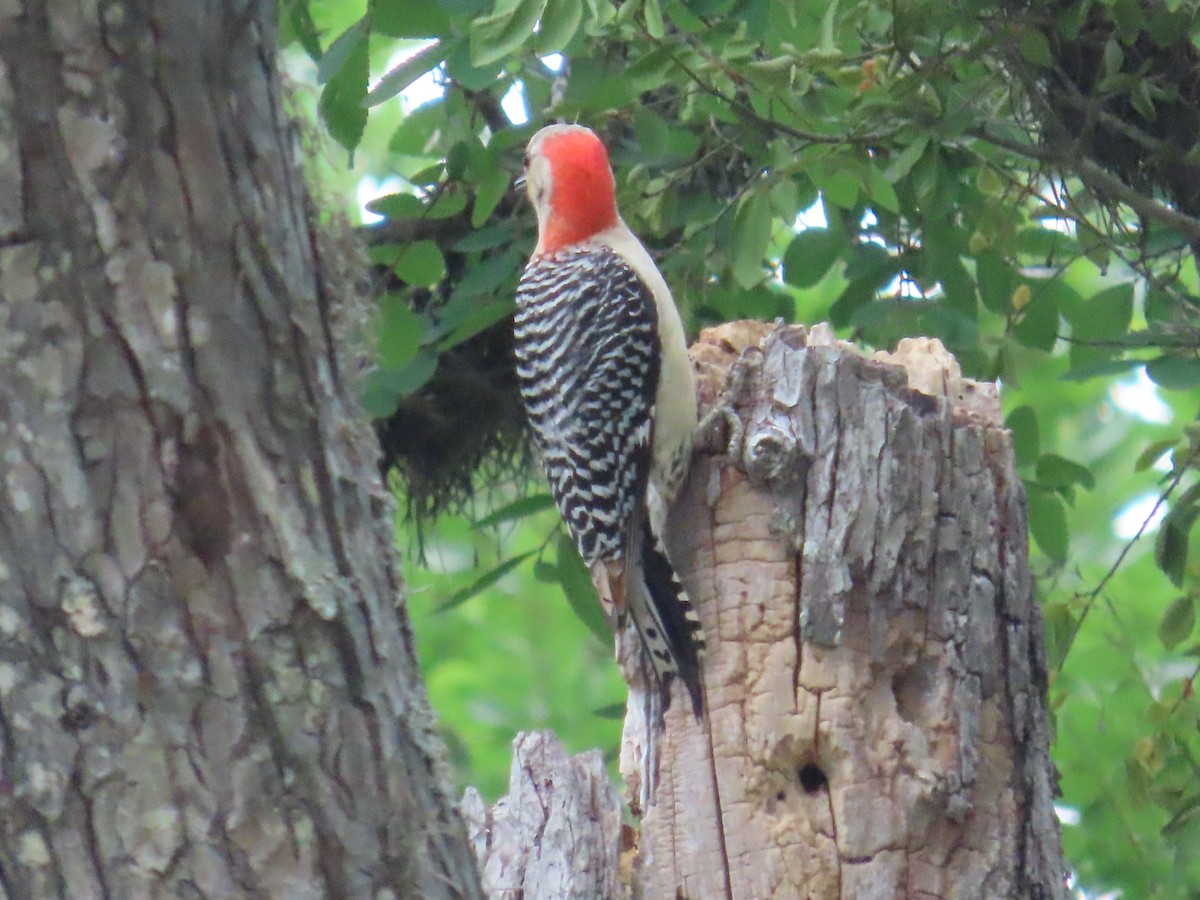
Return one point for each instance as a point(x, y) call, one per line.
point(607, 382)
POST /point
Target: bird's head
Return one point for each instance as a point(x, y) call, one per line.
point(570, 185)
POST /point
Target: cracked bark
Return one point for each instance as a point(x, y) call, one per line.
point(876, 676)
point(207, 682)
point(557, 832)
point(876, 679)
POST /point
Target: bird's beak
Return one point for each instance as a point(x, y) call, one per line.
point(519, 184)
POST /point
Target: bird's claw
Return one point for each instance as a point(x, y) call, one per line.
point(721, 430)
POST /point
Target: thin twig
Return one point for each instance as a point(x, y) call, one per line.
point(1180, 471)
point(812, 137)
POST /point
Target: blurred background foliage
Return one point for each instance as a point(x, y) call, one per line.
point(1019, 179)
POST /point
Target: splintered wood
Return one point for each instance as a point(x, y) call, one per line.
point(875, 674)
point(556, 833)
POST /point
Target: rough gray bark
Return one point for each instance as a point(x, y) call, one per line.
point(207, 688)
point(876, 676)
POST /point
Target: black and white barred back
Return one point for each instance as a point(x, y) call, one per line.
point(588, 364)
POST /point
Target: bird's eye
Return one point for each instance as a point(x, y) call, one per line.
point(527, 160)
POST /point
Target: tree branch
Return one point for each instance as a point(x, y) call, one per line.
point(1096, 178)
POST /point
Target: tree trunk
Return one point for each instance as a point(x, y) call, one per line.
point(876, 676)
point(207, 683)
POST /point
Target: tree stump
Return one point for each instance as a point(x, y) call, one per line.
point(876, 677)
point(556, 833)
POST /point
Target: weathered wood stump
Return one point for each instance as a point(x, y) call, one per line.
point(876, 675)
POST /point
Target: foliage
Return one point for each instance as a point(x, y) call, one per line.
point(1018, 179)
point(512, 655)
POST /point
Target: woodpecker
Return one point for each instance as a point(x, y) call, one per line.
point(607, 383)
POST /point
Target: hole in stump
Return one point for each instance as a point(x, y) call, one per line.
point(913, 688)
point(812, 778)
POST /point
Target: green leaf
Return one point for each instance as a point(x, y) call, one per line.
point(344, 46)
point(651, 133)
point(560, 21)
point(827, 42)
point(488, 193)
point(398, 332)
point(500, 33)
point(1035, 48)
point(995, 279)
point(1187, 814)
point(1167, 28)
point(1106, 315)
point(856, 295)
point(1153, 453)
point(942, 263)
point(1085, 370)
point(614, 711)
point(1129, 17)
point(869, 268)
point(465, 73)
point(1147, 755)
point(1171, 546)
point(409, 19)
point(459, 157)
point(446, 204)
point(397, 206)
point(988, 181)
point(420, 129)
point(903, 162)
point(1046, 244)
point(1038, 327)
point(518, 509)
point(484, 581)
point(1175, 373)
point(650, 71)
point(1071, 19)
point(751, 234)
point(1056, 472)
point(577, 587)
point(1142, 100)
point(1048, 522)
point(382, 389)
point(1061, 628)
point(840, 187)
point(1022, 422)
point(1177, 622)
point(296, 23)
point(421, 264)
point(881, 191)
point(872, 263)
point(785, 199)
point(341, 105)
point(810, 256)
point(654, 19)
point(487, 275)
point(405, 73)
point(1114, 58)
point(475, 321)
point(498, 234)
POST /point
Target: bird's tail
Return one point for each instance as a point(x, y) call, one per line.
point(664, 618)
